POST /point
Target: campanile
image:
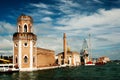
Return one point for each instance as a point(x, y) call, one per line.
point(24, 49)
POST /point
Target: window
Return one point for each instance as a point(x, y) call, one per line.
point(33, 59)
point(16, 45)
point(25, 59)
point(62, 62)
point(25, 28)
point(25, 44)
point(61, 57)
point(16, 60)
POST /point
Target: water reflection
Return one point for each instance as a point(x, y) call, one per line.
point(26, 76)
point(106, 72)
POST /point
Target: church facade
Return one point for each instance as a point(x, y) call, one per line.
point(25, 52)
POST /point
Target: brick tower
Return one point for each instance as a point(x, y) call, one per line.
point(65, 48)
point(24, 49)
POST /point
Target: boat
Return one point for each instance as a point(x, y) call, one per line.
point(8, 68)
point(90, 63)
point(102, 60)
point(100, 63)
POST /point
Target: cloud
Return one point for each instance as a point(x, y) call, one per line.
point(66, 6)
point(98, 1)
point(46, 19)
point(40, 8)
point(6, 42)
point(6, 32)
point(39, 5)
point(74, 24)
point(6, 28)
point(52, 43)
point(101, 18)
point(76, 18)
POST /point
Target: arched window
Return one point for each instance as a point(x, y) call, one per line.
point(25, 59)
point(16, 60)
point(33, 59)
point(25, 28)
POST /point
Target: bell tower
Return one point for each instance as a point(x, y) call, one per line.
point(24, 49)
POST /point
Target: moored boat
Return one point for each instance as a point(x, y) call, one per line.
point(90, 63)
point(6, 68)
point(100, 63)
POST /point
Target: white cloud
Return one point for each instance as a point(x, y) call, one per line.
point(110, 17)
point(40, 5)
point(6, 27)
point(102, 25)
point(46, 12)
point(6, 42)
point(66, 6)
point(76, 25)
point(6, 31)
point(52, 43)
point(46, 19)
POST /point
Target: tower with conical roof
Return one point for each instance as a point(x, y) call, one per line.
point(24, 49)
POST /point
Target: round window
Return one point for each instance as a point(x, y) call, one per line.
point(25, 44)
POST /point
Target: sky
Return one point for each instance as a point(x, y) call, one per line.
point(76, 18)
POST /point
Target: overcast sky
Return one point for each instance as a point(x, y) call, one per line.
point(76, 18)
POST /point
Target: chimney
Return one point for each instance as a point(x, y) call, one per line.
point(65, 47)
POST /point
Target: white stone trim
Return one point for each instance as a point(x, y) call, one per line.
point(70, 60)
point(31, 54)
point(74, 59)
point(13, 54)
point(31, 28)
point(36, 56)
point(18, 29)
point(19, 54)
point(28, 69)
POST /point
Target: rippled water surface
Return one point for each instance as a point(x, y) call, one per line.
point(104, 72)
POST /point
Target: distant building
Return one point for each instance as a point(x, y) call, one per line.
point(26, 55)
point(103, 59)
point(68, 57)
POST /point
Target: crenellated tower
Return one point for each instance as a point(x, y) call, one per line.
point(25, 54)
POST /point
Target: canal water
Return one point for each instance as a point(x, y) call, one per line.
point(105, 72)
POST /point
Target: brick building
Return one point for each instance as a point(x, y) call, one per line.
point(25, 53)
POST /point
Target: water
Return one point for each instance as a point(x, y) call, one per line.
point(105, 72)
